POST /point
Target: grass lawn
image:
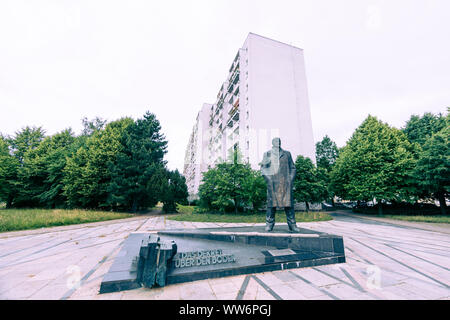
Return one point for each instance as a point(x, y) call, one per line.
point(23, 219)
point(432, 219)
point(187, 214)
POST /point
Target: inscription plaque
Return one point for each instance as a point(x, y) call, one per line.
point(201, 258)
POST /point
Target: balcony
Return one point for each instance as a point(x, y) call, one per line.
point(230, 88)
point(236, 78)
point(234, 109)
point(235, 62)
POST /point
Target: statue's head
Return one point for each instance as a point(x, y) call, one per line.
point(276, 142)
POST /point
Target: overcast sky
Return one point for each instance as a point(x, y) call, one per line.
point(61, 60)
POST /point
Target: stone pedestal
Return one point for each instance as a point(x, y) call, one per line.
point(176, 256)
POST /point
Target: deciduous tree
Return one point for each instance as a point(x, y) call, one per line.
point(310, 182)
point(9, 166)
point(376, 163)
point(433, 168)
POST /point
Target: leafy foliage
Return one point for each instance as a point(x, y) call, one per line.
point(420, 129)
point(232, 185)
point(428, 136)
point(87, 174)
point(41, 175)
point(116, 166)
point(326, 153)
point(433, 168)
point(9, 166)
point(377, 162)
point(175, 191)
point(91, 126)
point(24, 140)
point(310, 182)
point(137, 171)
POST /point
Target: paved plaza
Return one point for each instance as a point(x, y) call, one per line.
point(385, 260)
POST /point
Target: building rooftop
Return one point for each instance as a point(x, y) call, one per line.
point(283, 43)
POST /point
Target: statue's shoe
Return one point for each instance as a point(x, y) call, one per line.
point(269, 227)
point(293, 228)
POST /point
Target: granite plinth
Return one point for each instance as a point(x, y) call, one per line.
point(252, 248)
point(122, 275)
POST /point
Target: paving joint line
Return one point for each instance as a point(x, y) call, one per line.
point(404, 264)
point(314, 286)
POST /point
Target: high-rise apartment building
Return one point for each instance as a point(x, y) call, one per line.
point(264, 96)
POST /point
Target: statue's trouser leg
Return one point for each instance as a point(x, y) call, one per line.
point(270, 218)
point(290, 217)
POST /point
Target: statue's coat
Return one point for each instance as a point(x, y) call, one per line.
point(279, 173)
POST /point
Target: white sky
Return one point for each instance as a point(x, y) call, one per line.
point(61, 60)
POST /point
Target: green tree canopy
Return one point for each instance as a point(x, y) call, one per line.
point(420, 129)
point(41, 175)
point(310, 182)
point(175, 191)
point(376, 163)
point(326, 153)
point(87, 175)
point(433, 168)
point(138, 170)
point(26, 139)
point(232, 184)
point(9, 166)
point(91, 126)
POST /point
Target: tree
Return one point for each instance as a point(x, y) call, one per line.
point(420, 129)
point(255, 189)
point(309, 182)
point(175, 191)
point(8, 173)
point(41, 175)
point(376, 163)
point(433, 168)
point(87, 174)
point(25, 140)
point(91, 126)
point(138, 171)
point(326, 155)
point(232, 184)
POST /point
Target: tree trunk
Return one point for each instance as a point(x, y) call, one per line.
point(442, 203)
point(380, 208)
point(307, 206)
point(332, 201)
point(235, 206)
point(134, 207)
point(9, 202)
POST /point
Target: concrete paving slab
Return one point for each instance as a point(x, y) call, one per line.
point(413, 262)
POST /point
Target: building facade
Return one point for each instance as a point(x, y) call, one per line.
point(264, 96)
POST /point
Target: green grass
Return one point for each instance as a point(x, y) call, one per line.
point(187, 213)
point(23, 219)
point(418, 218)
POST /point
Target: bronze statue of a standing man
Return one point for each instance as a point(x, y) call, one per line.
point(278, 170)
